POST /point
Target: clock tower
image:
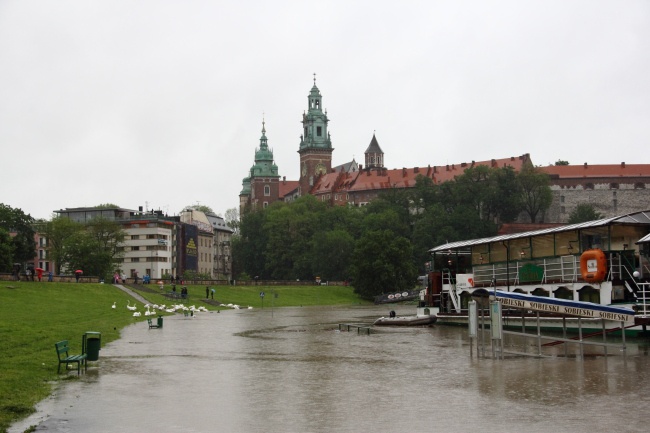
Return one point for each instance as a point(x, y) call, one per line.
point(315, 143)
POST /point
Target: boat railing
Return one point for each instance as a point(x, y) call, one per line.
point(554, 269)
point(643, 299)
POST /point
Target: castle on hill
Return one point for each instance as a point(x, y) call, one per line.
point(611, 189)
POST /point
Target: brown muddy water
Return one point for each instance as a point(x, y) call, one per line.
point(291, 370)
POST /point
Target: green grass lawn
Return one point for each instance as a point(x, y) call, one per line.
point(35, 315)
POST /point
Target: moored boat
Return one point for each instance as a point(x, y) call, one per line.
point(603, 262)
point(422, 318)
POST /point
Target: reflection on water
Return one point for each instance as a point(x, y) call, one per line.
point(293, 371)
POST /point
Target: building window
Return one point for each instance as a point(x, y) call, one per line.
point(267, 190)
point(266, 204)
point(135, 237)
point(319, 131)
point(561, 199)
point(589, 186)
point(639, 185)
point(613, 185)
point(135, 248)
point(135, 259)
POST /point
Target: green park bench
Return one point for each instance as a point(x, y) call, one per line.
point(62, 352)
point(151, 324)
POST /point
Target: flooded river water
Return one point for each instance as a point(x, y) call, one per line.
point(291, 370)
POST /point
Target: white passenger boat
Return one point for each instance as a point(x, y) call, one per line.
point(603, 262)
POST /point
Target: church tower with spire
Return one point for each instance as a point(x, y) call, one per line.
point(374, 155)
point(315, 143)
point(261, 187)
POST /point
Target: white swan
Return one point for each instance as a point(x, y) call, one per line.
point(113, 307)
point(137, 314)
point(131, 307)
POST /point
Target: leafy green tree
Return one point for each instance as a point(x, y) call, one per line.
point(584, 212)
point(290, 228)
point(58, 231)
point(232, 219)
point(201, 208)
point(536, 193)
point(95, 248)
point(331, 254)
point(6, 251)
point(382, 262)
point(22, 244)
point(561, 162)
point(248, 249)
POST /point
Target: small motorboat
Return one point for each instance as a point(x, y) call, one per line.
point(418, 320)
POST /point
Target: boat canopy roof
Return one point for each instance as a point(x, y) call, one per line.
point(637, 218)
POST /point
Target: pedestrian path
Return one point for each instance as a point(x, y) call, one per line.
point(131, 293)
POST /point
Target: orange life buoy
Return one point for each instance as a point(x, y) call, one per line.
point(593, 266)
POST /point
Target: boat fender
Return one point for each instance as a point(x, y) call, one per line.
point(593, 265)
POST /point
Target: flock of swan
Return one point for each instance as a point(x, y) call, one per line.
point(152, 308)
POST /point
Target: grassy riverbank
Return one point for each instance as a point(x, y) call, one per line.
point(33, 316)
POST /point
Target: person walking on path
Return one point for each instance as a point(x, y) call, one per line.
point(207, 292)
point(212, 293)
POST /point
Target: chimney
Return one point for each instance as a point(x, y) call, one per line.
point(623, 164)
point(360, 167)
point(284, 180)
point(447, 167)
point(416, 169)
point(463, 164)
point(512, 158)
point(585, 165)
point(493, 162)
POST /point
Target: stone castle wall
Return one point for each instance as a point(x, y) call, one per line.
point(609, 199)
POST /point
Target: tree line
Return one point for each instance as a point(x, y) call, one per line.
point(383, 246)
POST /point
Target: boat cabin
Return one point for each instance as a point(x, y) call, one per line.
point(603, 261)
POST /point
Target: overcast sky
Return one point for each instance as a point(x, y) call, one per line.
point(159, 103)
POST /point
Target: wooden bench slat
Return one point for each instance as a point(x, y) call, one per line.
point(63, 347)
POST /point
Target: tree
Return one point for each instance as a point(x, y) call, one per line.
point(536, 193)
point(232, 219)
point(561, 162)
point(331, 254)
point(201, 208)
point(58, 231)
point(249, 247)
point(290, 229)
point(20, 227)
point(584, 212)
point(6, 251)
point(93, 247)
point(382, 262)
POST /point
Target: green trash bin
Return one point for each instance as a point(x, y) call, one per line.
point(91, 345)
point(160, 321)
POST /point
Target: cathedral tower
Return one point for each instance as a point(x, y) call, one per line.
point(261, 187)
point(315, 143)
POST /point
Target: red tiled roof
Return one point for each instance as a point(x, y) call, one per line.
point(609, 170)
point(287, 187)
